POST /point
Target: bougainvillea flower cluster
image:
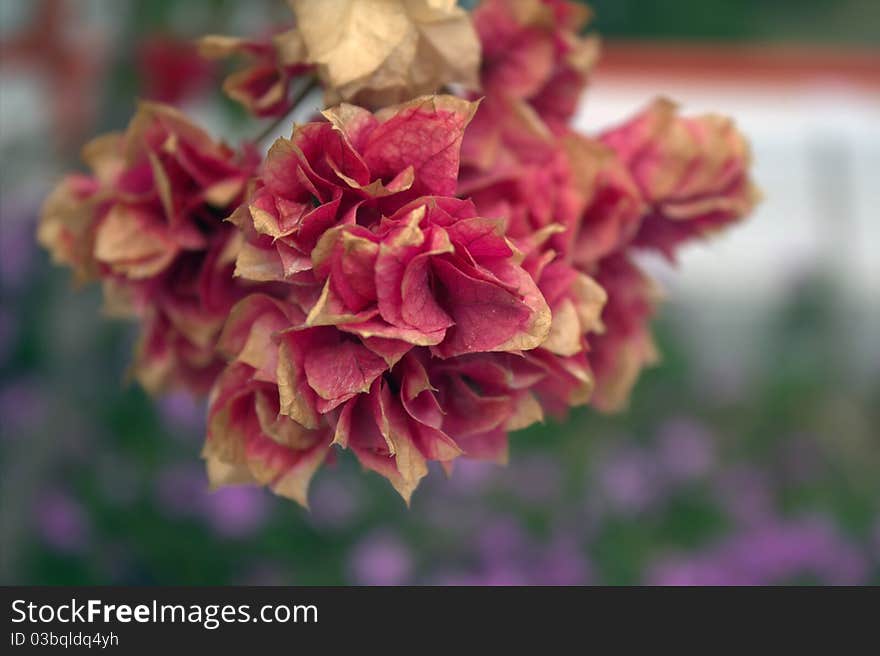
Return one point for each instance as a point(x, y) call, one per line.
point(432, 263)
point(148, 221)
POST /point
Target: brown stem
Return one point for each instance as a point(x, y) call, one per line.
point(297, 99)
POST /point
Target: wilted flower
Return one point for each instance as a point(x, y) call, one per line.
point(618, 355)
point(576, 302)
point(408, 313)
point(148, 222)
point(249, 441)
point(529, 182)
point(262, 87)
point(693, 173)
point(533, 70)
point(410, 284)
point(532, 52)
point(432, 274)
point(655, 182)
point(613, 208)
point(577, 205)
point(351, 169)
point(516, 169)
point(444, 409)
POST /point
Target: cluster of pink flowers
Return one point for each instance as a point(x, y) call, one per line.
point(410, 284)
point(148, 222)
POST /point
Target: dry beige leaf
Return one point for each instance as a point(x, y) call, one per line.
point(380, 52)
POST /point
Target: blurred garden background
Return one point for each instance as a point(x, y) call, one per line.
point(749, 455)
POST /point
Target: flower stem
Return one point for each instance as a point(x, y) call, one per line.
point(298, 97)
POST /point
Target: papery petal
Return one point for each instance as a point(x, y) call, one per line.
point(489, 317)
point(626, 346)
point(339, 371)
point(66, 226)
point(248, 441)
point(359, 429)
point(426, 134)
point(133, 243)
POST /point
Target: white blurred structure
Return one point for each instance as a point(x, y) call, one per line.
point(815, 139)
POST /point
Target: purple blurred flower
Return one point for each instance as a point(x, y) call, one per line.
point(446, 504)
point(694, 571)
point(502, 539)
point(628, 479)
point(17, 230)
point(744, 493)
point(452, 578)
point(451, 515)
point(182, 413)
point(62, 523)
point(22, 407)
point(685, 450)
point(380, 559)
point(333, 501)
point(506, 555)
point(775, 552)
point(563, 563)
point(501, 574)
point(801, 459)
point(182, 492)
point(471, 476)
point(237, 512)
point(535, 479)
